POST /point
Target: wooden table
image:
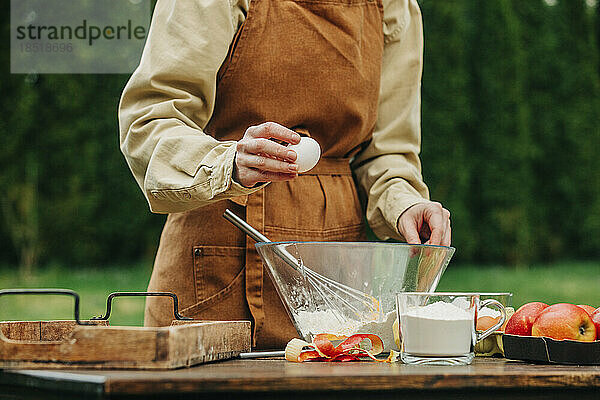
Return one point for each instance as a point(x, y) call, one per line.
point(486, 378)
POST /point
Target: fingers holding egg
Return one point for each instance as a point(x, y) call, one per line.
point(308, 153)
point(266, 147)
point(272, 130)
point(266, 164)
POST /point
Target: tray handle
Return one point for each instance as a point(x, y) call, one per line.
point(65, 292)
point(142, 294)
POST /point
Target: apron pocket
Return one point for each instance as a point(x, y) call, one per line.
point(220, 281)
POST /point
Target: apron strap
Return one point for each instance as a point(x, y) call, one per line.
point(331, 166)
point(325, 166)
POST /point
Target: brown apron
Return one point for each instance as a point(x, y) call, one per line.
point(305, 64)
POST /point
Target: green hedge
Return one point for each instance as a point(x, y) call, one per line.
point(511, 111)
point(511, 124)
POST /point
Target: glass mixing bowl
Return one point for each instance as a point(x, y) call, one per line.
point(349, 287)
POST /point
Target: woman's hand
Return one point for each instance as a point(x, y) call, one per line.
point(427, 223)
point(259, 159)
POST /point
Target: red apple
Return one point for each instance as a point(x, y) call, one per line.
point(564, 321)
point(590, 310)
point(596, 321)
point(522, 320)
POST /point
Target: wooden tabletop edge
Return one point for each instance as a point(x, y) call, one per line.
point(355, 383)
point(54, 381)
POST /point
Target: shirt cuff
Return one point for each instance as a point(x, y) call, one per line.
point(220, 185)
point(385, 226)
point(225, 187)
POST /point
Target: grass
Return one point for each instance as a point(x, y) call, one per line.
point(93, 285)
point(572, 282)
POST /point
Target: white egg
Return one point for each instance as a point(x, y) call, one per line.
point(308, 151)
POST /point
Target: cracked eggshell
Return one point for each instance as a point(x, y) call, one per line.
point(308, 152)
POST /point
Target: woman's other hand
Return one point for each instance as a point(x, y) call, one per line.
point(426, 223)
point(259, 159)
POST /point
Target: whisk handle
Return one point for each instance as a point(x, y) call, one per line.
point(259, 237)
point(244, 226)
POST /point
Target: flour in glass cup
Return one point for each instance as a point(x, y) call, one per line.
point(437, 329)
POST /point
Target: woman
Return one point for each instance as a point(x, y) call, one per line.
point(217, 81)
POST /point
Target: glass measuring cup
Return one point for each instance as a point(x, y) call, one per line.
point(439, 328)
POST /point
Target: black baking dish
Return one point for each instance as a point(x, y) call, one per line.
point(550, 351)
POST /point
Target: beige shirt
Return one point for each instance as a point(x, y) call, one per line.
point(170, 98)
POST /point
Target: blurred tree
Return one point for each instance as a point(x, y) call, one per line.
point(511, 104)
point(21, 216)
point(528, 83)
point(540, 39)
point(502, 142)
point(448, 115)
point(598, 32)
point(578, 114)
point(564, 95)
point(19, 181)
point(67, 193)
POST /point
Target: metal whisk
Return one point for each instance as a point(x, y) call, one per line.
point(333, 293)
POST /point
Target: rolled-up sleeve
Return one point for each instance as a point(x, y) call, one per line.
point(168, 101)
point(388, 169)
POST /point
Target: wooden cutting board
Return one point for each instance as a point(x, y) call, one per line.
point(64, 344)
